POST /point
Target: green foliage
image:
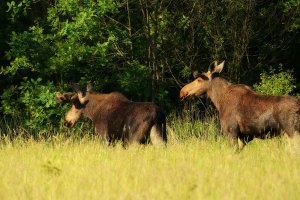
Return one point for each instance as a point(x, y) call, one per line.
point(291, 9)
point(10, 103)
point(39, 102)
point(19, 8)
point(29, 53)
point(130, 81)
point(144, 49)
point(73, 46)
point(273, 83)
point(35, 104)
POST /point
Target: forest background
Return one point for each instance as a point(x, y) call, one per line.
point(145, 49)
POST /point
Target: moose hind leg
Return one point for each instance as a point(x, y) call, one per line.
point(139, 134)
point(157, 137)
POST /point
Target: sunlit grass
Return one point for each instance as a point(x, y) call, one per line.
point(192, 166)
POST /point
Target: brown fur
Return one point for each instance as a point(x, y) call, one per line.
point(115, 118)
point(243, 113)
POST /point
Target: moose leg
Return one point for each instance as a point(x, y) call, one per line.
point(241, 143)
point(233, 141)
point(232, 135)
point(243, 140)
point(156, 135)
point(231, 129)
point(139, 134)
point(292, 130)
point(102, 132)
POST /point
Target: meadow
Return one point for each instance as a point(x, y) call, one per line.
point(196, 164)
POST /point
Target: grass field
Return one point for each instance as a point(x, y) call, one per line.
point(195, 166)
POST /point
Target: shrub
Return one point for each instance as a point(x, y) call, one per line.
point(34, 103)
point(276, 83)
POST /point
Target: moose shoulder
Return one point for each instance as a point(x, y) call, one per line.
point(243, 113)
point(115, 117)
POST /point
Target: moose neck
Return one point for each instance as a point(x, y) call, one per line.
point(216, 90)
point(88, 111)
point(91, 109)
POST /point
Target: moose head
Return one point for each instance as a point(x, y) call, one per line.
point(202, 82)
point(78, 101)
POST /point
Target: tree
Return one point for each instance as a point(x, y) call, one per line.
point(146, 49)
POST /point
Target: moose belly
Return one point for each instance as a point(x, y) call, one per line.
point(259, 127)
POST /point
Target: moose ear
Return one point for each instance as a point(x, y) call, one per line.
point(89, 87)
point(196, 74)
point(215, 68)
point(81, 96)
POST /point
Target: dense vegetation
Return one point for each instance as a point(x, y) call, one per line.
point(144, 49)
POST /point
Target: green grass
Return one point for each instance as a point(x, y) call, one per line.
point(194, 165)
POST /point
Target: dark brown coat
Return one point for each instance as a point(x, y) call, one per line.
point(243, 113)
point(115, 118)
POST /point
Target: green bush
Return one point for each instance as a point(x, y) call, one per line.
point(33, 101)
point(276, 83)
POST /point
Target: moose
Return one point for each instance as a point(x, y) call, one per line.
point(115, 118)
point(243, 113)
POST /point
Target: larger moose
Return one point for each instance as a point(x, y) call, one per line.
point(243, 113)
point(115, 118)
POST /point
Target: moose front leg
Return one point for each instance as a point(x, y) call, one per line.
point(232, 136)
point(244, 139)
point(231, 129)
point(233, 141)
point(102, 133)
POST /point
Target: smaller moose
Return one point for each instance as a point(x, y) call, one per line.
point(243, 113)
point(115, 118)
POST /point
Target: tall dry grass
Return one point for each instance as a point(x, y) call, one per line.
point(196, 164)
